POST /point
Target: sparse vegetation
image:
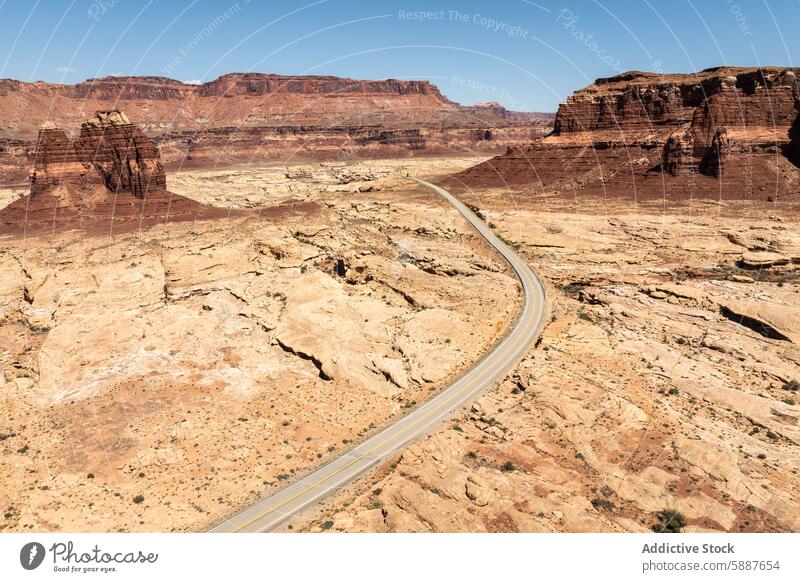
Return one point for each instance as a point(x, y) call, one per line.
point(600, 503)
point(138, 499)
point(792, 386)
point(508, 466)
point(669, 521)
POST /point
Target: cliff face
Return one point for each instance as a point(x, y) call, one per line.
point(257, 84)
point(793, 148)
point(720, 131)
point(110, 175)
point(180, 116)
point(122, 157)
point(125, 159)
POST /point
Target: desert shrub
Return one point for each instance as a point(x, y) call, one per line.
point(508, 466)
point(600, 503)
point(669, 521)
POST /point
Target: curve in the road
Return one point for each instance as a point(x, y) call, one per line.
point(275, 509)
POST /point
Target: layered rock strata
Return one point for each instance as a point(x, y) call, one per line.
point(244, 117)
point(110, 175)
point(725, 131)
point(122, 157)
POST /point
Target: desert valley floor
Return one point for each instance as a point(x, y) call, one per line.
point(161, 378)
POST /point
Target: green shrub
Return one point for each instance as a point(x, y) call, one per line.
point(669, 521)
point(792, 386)
point(600, 503)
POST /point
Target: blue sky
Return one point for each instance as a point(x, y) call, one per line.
point(527, 55)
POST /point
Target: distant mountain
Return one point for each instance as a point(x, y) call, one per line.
point(251, 116)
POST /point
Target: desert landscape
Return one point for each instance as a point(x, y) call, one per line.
point(202, 305)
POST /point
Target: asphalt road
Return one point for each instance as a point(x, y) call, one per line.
point(271, 511)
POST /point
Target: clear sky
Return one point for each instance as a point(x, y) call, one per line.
point(526, 55)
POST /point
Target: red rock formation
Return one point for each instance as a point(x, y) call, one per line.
point(323, 115)
point(124, 159)
point(793, 147)
point(716, 132)
point(677, 158)
point(109, 177)
point(55, 159)
point(715, 159)
point(255, 84)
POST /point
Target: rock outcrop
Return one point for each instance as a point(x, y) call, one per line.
point(123, 158)
point(720, 130)
point(678, 151)
point(715, 158)
point(110, 174)
point(793, 149)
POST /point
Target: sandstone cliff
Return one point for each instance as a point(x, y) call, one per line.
point(722, 131)
point(244, 117)
point(123, 158)
point(110, 174)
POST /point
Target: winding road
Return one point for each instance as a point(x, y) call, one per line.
point(271, 511)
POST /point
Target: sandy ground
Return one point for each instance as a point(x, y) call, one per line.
point(159, 380)
point(162, 379)
point(665, 380)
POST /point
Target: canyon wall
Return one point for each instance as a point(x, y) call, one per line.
point(272, 117)
point(720, 132)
